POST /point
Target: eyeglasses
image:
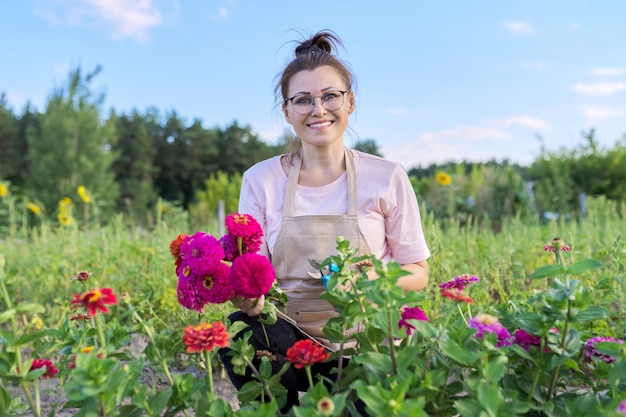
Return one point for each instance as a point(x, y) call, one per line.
point(303, 104)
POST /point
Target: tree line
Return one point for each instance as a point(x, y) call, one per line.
point(130, 161)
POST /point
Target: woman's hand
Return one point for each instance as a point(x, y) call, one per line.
point(251, 306)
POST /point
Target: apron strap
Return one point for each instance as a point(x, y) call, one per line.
point(292, 182)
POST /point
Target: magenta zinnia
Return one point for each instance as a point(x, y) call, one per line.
point(202, 275)
point(459, 282)
point(244, 227)
point(251, 275)
point(411, 313)
point(485, 323)
point(591, 351)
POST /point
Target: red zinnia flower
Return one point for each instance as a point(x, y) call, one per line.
point(251, 275)
point(51, 370)
point(306, 352)
point(456, 295)
point(205, 337)
point(175, 246)
point(94, 300)
point(409, 313)
point(82, 276)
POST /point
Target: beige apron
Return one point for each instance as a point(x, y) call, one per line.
point(313, 237)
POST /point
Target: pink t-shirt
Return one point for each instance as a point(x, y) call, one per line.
point(389, 216)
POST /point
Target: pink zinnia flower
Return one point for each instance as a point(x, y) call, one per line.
point(251, 275)
point(246, 228)
point(411, 313)
point(621, 408)
point(485, 323)
point(556, 244)
point(459, 282)
point(214, 287)
point(230, 244)
point(591, 352)
point(51, 370)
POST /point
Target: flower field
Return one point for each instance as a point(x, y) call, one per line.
point(529, 321)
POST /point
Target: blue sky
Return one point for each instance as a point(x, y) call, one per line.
point(437, 81)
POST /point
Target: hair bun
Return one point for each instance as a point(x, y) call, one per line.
point(321, 42)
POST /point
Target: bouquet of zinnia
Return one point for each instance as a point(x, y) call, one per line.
point(212, 271)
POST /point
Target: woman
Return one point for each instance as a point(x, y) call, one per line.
point(322, 190)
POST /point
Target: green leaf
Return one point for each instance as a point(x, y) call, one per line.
point(158, 401)
point(27, 338)
point(592, 313)
point(459, 354)
point(468, 407)
point(497, 368)
point(27, 308)
point(6, 315)
point(5, 400)
point(530, 322)
point(585, 265)
point(548, 271)
point(379, 361)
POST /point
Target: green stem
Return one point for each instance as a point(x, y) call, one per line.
point(209, 370)
point(309, 376)
point(258, 375)
point(37, 399)
point(555, 373)
point(392, 346)
point(100, 328)
point(167, 372)
point(458, 305)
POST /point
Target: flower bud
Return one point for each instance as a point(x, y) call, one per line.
point(326, 406)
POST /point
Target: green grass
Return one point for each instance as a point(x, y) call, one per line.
point(137, 261)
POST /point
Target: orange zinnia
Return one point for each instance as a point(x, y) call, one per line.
point(94, 300)
point(306, 352)
point(456, 295)
point(205, 337)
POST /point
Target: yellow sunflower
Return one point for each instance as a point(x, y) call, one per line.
point(82, 192)
point(34, 208)
point(443, 178)
point(4, 190)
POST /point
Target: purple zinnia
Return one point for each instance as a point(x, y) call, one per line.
point(591, 352)
point(251, 275)
point(621, 408)
point(411, 313)
point(485, 323)
point(526, 340)
point(459, 282)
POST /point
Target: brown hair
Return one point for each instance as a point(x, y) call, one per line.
point(311, 54)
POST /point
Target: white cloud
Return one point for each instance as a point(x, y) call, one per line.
point(466, 133)
point(602, 112)
point(15, 98)
point(524, 121)
point(599, 89)
point(519, 28)
point(126, 18)
point(607, 72)
point(574, 25)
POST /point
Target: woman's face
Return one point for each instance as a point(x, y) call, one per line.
point(321, 127)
